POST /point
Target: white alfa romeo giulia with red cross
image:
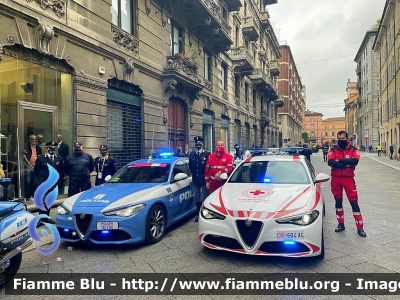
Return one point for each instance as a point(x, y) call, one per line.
point(270, 205)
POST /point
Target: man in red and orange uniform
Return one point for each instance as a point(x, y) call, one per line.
point(343, 159)
point(217, 163)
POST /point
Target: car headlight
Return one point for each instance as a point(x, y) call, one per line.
point(126, 212)
point(302, 220)
point(209, 214)
point(61, 210)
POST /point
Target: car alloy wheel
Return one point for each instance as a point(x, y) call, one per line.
point(155, 228)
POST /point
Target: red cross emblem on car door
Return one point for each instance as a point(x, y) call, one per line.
point(257, 192)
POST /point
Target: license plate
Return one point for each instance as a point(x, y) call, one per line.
point(107, 225)
point(290, 235)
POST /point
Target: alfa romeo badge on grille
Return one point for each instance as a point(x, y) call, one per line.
point(248, 222)
point(82, 216)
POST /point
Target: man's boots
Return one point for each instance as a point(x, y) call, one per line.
point(361, 232)
point(340, 227)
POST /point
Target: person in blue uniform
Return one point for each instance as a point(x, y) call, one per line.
point(41, 170)
point(104, 165)
point(197, 165)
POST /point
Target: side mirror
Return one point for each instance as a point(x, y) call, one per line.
point(223, 176)
point(321, 177)
point(180, 176)
point(108, 177)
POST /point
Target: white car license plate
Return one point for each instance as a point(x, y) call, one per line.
point(290, 235)
point(107, 225)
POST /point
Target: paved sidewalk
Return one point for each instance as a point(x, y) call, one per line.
point(392, 163)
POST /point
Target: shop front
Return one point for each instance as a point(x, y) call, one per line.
point(35, 100)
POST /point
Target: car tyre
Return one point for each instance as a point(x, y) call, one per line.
point(155, 224)
point(12, 270)
point(322, 254)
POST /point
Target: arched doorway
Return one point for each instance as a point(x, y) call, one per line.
point(176, 124)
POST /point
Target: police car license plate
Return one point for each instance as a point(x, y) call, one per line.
point(290, 235)
point(107, 225)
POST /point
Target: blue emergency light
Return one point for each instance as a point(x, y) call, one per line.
point(105, 231)
point(166, 154)
point(288, 242)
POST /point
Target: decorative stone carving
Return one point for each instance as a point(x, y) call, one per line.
point(57, 6)
point(225, 95)
point(169, 88)
point(20, 52)
point(128, 69)
point(126, 40)
point(148, 8)
point(176, 63)
point(44, 36)
point(11, 39)
point(247, 107)
point(124, 86)
point(91, 82)
point(208, 85)
point(237, 101)
point(1, 53)
point(195, 111)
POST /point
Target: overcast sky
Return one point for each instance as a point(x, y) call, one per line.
point(325, 30)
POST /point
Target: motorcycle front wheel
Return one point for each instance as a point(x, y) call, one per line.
point(11, 270)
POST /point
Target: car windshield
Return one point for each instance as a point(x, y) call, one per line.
point(143, 173)
point(275, 172)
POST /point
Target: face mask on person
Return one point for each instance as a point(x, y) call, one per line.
point(198, 145)
point(78, 151)
point(220, 149)
point(51, 151)
point(103, 153)
point(342, 144)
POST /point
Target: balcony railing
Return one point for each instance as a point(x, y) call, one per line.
point(274, 68)
point(242, 59)
point(250, 28)
point(183, 72)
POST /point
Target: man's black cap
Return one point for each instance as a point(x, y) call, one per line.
point(77, 144)
point(198, 139)
point(103, 147)
point(52, 144)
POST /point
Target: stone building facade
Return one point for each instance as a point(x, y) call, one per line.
point(387, 46)
point(138, 75)
point(368, 91)
point(313, 126)
point(291, 90)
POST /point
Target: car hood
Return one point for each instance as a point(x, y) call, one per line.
point(272, 198)
point(108, 194)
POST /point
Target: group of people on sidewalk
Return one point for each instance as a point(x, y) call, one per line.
point(78, 166)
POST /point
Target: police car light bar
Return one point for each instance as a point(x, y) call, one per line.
point(271, 151)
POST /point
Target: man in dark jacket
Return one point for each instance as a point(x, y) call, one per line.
point(325, 151)
point(104, 165)
point(78, 167)
point(31, 154)
point(197, 165)
point(343, 159)
point(307, 152)
point(41, 169)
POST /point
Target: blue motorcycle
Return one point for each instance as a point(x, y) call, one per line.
point(14, 238)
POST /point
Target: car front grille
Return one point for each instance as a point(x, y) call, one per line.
point(249, 233)
point(83, 223)
point(110, 236)
point(281, 247)
point(222, 241)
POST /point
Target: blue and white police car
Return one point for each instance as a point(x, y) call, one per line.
point(137, 204)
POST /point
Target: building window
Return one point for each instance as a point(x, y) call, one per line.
point(246, 92)
point(237, 86)
point(237, 36)
point(238, 133)
point(122, 15)
point(225, 131)
point(254, 99)
point(208, 121)
point(312, 135)
point(312, 119)
point(333, 133)
point(176, 40)
point(207, 66)
point(224, 77)
point(326, 134)
point(312, 126)
point(247, 136)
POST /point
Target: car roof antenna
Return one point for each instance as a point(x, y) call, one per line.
point(152, 147)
